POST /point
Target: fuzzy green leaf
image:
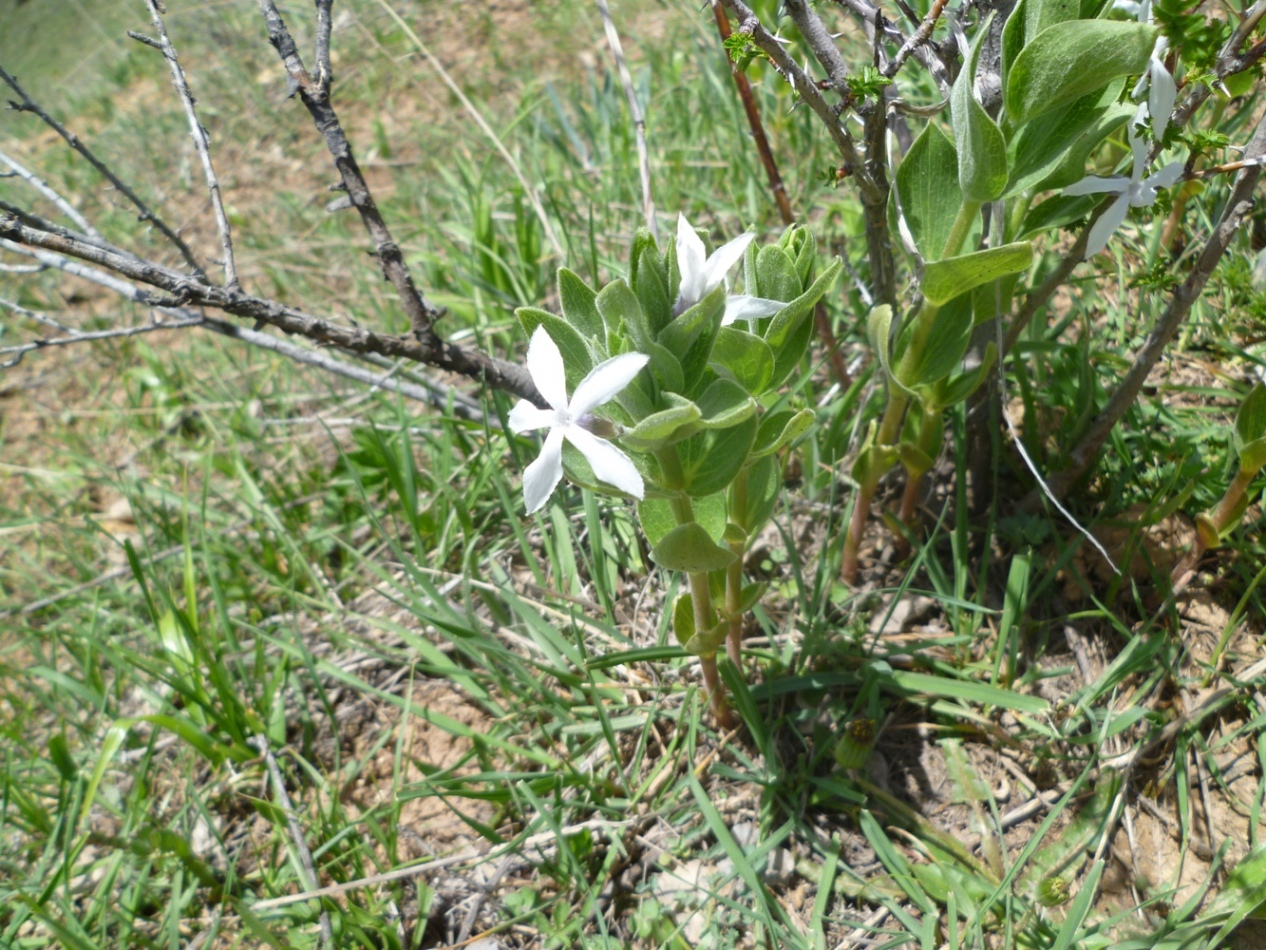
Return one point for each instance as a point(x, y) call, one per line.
point(1250, 429)
point(927, 182)
point(946, 344)
point(577, 300)
point(711, 459)
point(1070, 60)
point(780, 428)
point(690, 548)
point(658, 518)
point(945, 280)
point(664, 427)
point(982, 150)
point(745, 357)
point(578, 353)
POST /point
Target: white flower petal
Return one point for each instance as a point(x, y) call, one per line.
point(1092, 185)
point(609, 464)
point(691, 260)
point(545, 364)
point(1108, 222)
point(1161, 98)
point(1166, 177)
point(722, 260)
point(604, 381)
point(541, 476)
point(525, 417)
point(746, 307)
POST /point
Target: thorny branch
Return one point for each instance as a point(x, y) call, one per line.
point(316, 99)
point(200, 141)
point(187, 290)
point(146, 214)
point(1238, 204)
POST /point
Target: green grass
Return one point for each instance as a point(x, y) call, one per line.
point(351, 578)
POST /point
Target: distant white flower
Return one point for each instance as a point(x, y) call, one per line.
point(701, 274)
point(572, 421)
point(1135, 191)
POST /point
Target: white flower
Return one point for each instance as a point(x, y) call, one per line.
point(1163, 91)
point(700, 275)
point(571, 420)
point(1136, 191)
point(751, 309)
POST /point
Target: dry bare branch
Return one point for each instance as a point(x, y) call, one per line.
point(64, 206)
point(200, 141)
point(186, 290)
point(146, 214)
point(1238, 204)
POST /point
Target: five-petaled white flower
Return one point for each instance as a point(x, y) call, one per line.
point(701, 274)
point(1136, 191)
point(572, 421)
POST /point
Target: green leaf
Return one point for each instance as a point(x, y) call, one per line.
point(970, 690)
point(662, 428)
point(1069, 60)
point(764, 489)
point(642, 241)
point(776, 277)
point(744, 357)
point(1058, 212)
point(689, 548)
point(1080, 908)
point(652, 290)
point(578, 355)
point(873, 460)
point(725, 403)
point(803, 247)
point(751, 595)
point(620, 308)
point(1250, 429)
point(946, 343)
point(982, 150)
point(1073, 166)
point(945, 280)
point(1042, 148)
point(680, 334)
point(879, 334)
point(580, 472)
point(711, 459)
point(658, 518)
point(954, 391)
point(684, 619)
point(788, 331)
point(927, 182)
point(1243, 895)
point(706, 644)
point(780, 428)
point(577, 301)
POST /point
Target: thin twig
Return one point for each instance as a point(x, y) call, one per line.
point(64, 206)
point(17, 352)
point(916, 40)
point(188, 290)
point(200, 141)
point(635, 110)
point(30, 105)
point(533, 841)
point(820, 317)
point(1238, 204)
point(325, 26)
point(416, 387)
point(421, 313)
point(802, 83)
point(475, 114)
point(260, 742)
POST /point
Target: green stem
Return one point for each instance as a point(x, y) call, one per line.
point(700, 591)
point(734, 573)
point(967, 212)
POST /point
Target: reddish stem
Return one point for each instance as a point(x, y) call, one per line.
point(856, 528)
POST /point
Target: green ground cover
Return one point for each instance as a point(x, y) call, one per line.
point(208, 550)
